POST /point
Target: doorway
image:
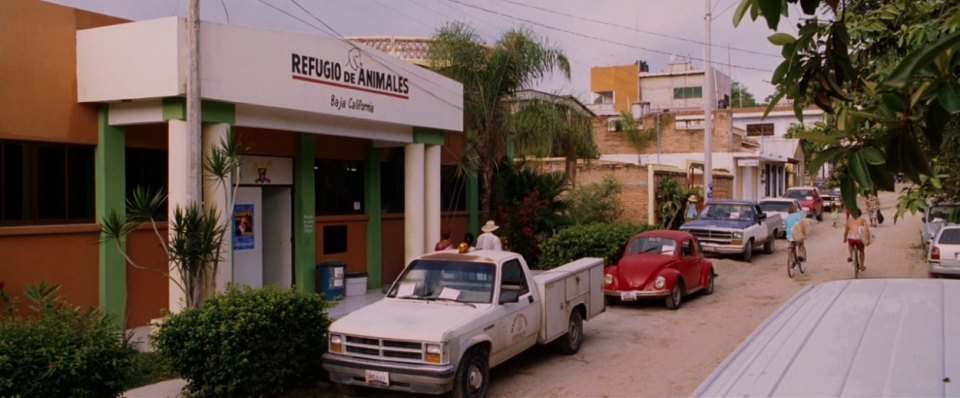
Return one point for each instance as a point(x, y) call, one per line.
point(263, 236)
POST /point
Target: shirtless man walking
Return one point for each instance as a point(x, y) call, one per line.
point(853, 235)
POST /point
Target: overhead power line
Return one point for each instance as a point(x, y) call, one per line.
point(640, 30)
point(653, 50)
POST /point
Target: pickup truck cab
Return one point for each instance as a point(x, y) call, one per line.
point(449, 317)
point(780, 207)
point(734, 226)
point(809, 198)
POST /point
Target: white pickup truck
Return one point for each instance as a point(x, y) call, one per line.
point(450, 317)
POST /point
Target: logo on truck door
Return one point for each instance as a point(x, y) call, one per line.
point(518, 327)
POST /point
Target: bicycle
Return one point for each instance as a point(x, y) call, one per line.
point(793, 261)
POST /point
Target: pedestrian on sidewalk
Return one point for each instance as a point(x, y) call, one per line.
point(873, 209)
point(487, 240)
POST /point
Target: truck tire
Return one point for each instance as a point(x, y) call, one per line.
point(676, 296)
point(569, 343)
point(473, 375)
point(820, 215)
point(748, 251)
point(768, 245)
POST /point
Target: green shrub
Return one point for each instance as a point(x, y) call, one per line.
point(596, 203)
point(591, 240)
point(61, 351)
point(247, 342)
point(149, 368)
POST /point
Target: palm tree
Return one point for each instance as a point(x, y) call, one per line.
point(554, 127)
point(490, 75)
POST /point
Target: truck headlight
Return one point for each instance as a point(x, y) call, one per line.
point(336, 343)
point(434, 353)
point(738, 235)
point(607, 279)
point(660, 282)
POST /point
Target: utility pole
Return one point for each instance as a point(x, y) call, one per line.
point(195, 189)
point(708, 103)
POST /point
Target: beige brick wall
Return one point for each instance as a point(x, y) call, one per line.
point(634, 181)
point(671, 139)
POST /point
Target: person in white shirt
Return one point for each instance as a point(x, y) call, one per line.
point(487, 240)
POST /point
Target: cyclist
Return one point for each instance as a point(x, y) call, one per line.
point(796, 231)
point(853, 235)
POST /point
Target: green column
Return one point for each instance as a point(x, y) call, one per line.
point(371, 200)
point(110, 170)
point(304, 209)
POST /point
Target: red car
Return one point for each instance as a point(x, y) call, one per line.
point(659, 265)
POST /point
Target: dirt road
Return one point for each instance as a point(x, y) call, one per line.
point(645, 349)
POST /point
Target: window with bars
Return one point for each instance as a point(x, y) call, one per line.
point(687, 92)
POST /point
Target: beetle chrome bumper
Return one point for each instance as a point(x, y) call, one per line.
point(638, 293)
point(420, 379)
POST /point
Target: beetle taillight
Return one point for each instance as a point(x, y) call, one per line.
point(935, 253)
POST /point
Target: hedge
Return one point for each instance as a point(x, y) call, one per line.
point(589, 240)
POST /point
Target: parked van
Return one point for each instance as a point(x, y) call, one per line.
point(862, 338)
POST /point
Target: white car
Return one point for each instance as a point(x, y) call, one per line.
point(780, 206)
point(944, 253)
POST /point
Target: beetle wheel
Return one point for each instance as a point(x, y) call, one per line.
point(676, 296)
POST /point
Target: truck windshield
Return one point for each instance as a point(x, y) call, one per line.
point(799, 194)
point(726, 211)
point(460, 281)
point(782, 207)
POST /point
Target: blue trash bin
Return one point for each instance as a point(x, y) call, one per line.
point(330, 279)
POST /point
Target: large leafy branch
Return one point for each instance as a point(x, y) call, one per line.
point(886, 72)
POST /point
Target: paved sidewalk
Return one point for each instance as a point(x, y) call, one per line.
point(172, 388)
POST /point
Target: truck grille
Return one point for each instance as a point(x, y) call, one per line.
point(396, 350)
point(710, 236)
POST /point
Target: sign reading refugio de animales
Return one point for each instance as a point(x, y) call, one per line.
point(313, 69)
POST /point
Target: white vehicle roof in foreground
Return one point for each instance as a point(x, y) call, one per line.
point(867, 338)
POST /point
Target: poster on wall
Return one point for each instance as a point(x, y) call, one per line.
point(243, 218)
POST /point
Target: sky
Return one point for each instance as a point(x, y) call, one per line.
point(590, 32)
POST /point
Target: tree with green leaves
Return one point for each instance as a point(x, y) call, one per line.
point(741, 97)
point(491, 75)
point(885, 71)
point(544, 128)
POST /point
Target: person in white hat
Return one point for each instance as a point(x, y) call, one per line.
point(487, 240)
point(692, 210)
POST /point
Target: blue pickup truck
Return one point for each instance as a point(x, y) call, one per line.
point(734, 227)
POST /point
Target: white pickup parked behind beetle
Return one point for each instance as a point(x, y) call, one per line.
point(449, 317)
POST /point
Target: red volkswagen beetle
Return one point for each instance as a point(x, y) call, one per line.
point(662, 265)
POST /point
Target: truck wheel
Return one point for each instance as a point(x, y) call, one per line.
point(676, 296)
point(768, 246)
point(473, 375)
point(820, 215)
point(748, 251)
point(569, 343)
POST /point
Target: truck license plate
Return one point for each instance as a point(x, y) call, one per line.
point(628, 296)
point(377, 378)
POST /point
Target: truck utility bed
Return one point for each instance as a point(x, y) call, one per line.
point(567, 285)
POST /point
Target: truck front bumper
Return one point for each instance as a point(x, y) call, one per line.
point(420, 379)
point(722, 248)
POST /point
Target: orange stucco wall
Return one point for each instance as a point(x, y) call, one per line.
point(356, 255)
point(147, 290)
point(38, 101)
point(59, 254)
point(266, 142)
point(623, 80)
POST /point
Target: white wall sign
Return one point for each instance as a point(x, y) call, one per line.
point(748, 162)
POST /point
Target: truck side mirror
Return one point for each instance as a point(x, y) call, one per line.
point(509, 296)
